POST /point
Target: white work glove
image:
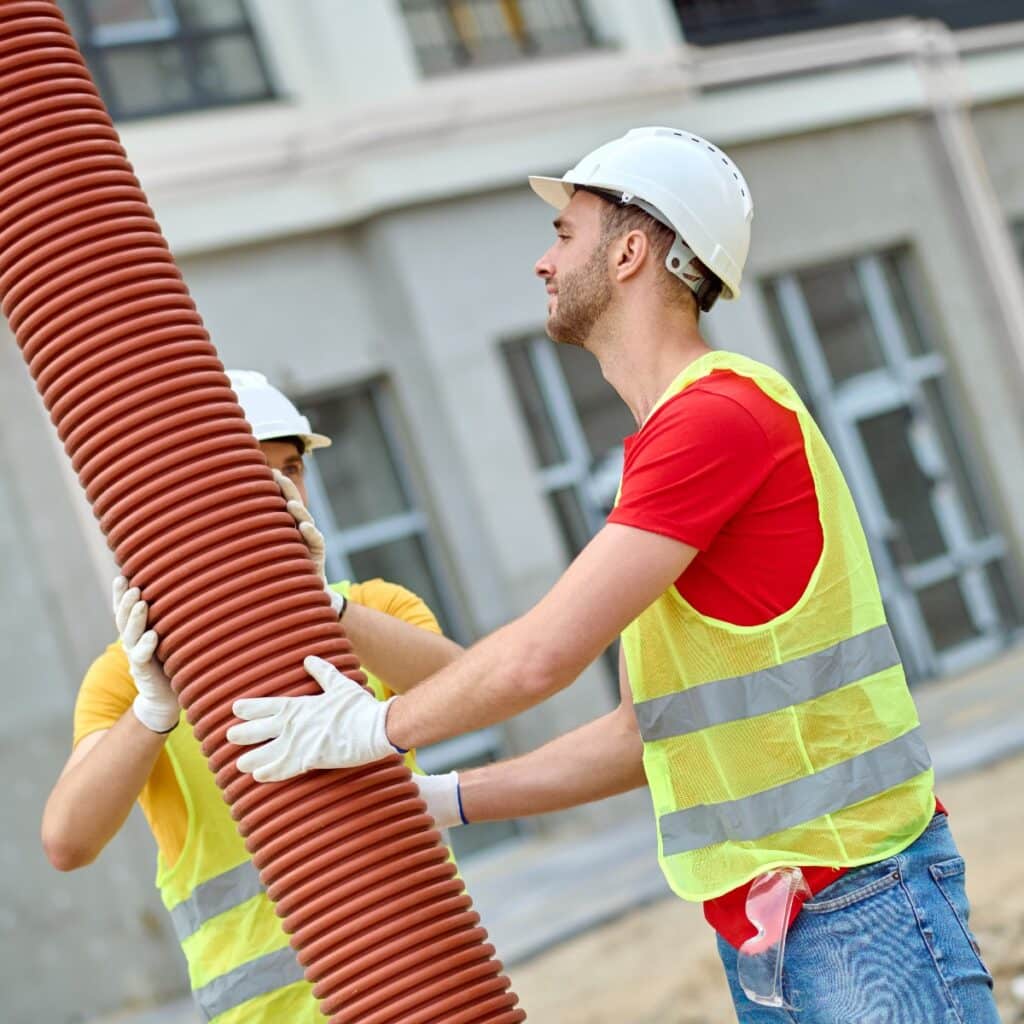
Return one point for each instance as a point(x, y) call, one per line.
point(310, 534)
point(340, 728)
point(155, 706)
point(443, 798)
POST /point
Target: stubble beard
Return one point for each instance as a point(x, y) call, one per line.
point(582, 298)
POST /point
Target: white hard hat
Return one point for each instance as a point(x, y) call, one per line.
point(270, 414)
point(683, 181)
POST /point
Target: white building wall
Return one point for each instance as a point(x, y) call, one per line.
point(98, 938)
point(1000, 128)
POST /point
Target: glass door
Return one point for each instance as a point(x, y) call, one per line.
point(861, 356)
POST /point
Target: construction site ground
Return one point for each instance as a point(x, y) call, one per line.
point(658, 965)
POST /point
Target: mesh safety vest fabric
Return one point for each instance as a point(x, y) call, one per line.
point(791, 743)
point(240, 964)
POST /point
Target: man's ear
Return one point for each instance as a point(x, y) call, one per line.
point(630, 253)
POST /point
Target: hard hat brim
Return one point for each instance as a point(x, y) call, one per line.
point(314, 441)
point(555, 192)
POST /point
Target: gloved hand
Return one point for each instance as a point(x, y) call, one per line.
point(155, 706)
point(310, 534)
point(443, 798)
point(340, 728)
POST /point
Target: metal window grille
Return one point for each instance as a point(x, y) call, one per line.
point(154, 57)
point(363, 495)
point(719, 21)
point(452, 34)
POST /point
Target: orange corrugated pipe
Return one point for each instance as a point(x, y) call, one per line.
point(383, 927)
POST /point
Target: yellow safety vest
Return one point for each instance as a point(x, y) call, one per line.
point(795, 742)
point(241, 967)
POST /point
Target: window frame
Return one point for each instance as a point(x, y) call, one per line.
point(186, 37)
point(457, 55)
point(900, 381)
point(574, 472)
point(341, 542)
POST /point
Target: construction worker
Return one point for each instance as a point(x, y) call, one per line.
point(130, 744)
point(763, 700)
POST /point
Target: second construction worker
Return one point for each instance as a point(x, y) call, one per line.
point(764, 703)
point(131, 742)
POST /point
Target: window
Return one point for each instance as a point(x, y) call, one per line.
point(861, 348)
point(164, 56)
point(453, 34)
point(719, 21)
point(576, 423)
point(363, 497)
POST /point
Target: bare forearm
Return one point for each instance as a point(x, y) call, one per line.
point(95, 793)
point(619, 573)
point(598, 760)
point(396, 652)
point(495, 679)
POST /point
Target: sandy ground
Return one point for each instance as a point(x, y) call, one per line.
point(658, 965)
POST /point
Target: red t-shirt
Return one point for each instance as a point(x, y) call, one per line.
point(722, 467)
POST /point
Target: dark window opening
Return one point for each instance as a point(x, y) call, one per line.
point(706, 22)
point(151, 57)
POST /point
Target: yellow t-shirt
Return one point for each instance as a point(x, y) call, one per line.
point(108, 690)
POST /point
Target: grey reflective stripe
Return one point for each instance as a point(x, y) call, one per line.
point(214, 897)
point(770, 689)
point(255, 978)
point(795, 803)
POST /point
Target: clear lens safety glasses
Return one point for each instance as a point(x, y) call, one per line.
point(769, 904)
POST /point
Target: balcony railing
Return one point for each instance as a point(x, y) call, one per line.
point(706, 22)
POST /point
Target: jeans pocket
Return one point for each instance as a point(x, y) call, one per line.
point(855, 886)
point(949, 877)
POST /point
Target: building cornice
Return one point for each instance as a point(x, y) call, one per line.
point(227, 178)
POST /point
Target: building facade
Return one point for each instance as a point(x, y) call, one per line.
point(344, 187)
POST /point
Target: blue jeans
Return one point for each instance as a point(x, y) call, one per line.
point(885, 944)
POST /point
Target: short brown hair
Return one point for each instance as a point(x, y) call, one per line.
point(618, 218)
